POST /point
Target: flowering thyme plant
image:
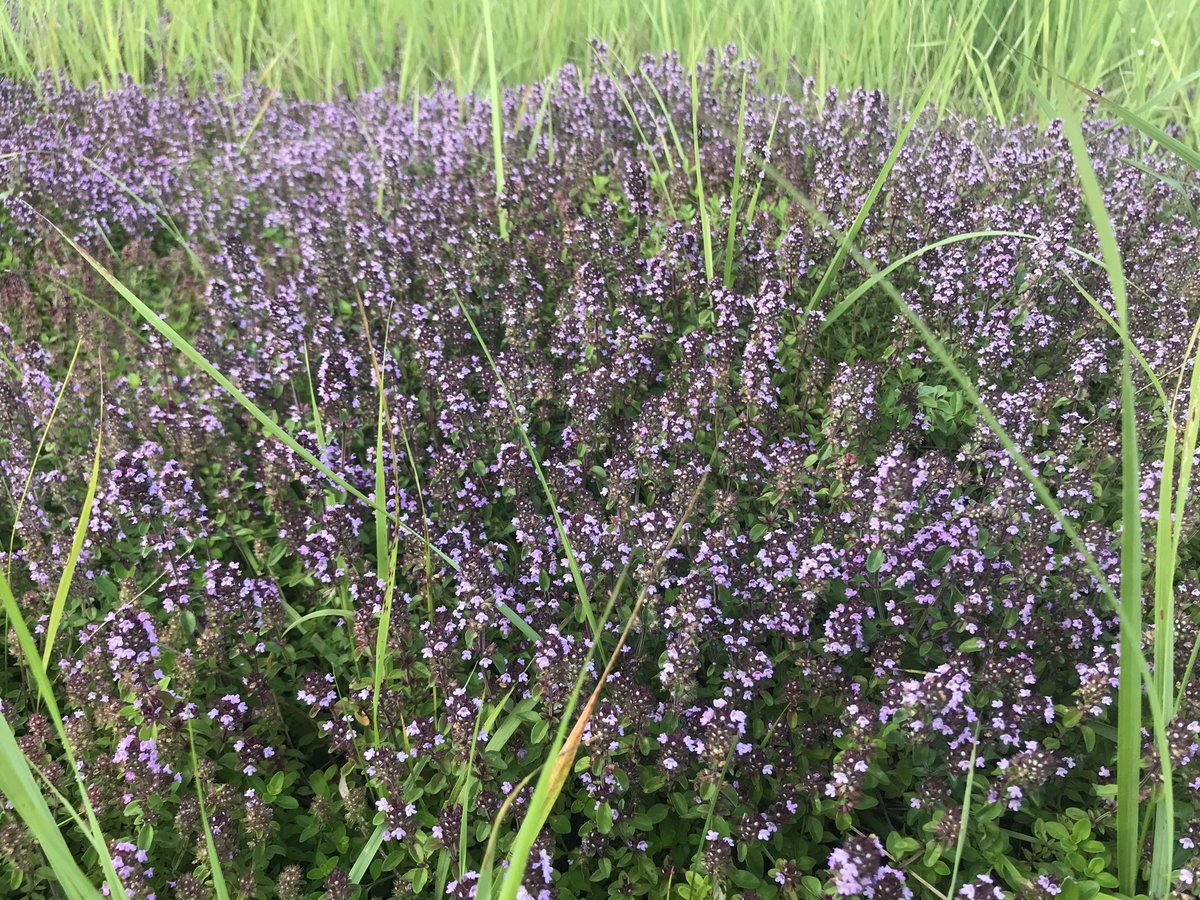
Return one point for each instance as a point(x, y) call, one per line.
point(850, 591)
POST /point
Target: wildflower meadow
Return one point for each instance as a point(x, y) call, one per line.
point(666, 473)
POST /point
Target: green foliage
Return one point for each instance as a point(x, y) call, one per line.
point(1139, 52)
point(1083, 846)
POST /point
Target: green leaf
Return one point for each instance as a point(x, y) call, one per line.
point(744, 879)
point(1081, 831)
point(419, 878)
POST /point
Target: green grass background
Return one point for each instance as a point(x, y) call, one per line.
point(1140, 51)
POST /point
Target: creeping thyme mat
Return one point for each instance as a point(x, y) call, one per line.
point(844, 591)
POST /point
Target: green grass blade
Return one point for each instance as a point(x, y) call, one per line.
point(540, 120)
point(844, 305)
point(1166, 554)
point(1130, 346)
point(705, 224)
point(483, 887)
point(21, 791)
point(671, 129)
point(381, 418)
point(385, 561)
point(497, 115)
point(321, 48)
point(158, 212)
point(562, 752)
point(716, 788)
point(1187, 673)
point(1189, 155)
point(300, 621)
point(312, 399)
point(1164, 642)
point(961, 843)
point(560, 758)
point(1129, 693)
point(18, 52)
point(1190, 433)
point(64, 583)
point(835, 264)
point(381, 639)
point(367, 855)
point(735, 191)
point(1174, 183)
point(214, 862)
point(752, 206)
point(464, 797)
point(839, 258)
point(944, 70)
point(642, 136)
point(1164, 578)
point(262, 111)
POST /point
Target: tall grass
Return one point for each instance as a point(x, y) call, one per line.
point(497, 114)
point(1129, 694)
point(1133, 48)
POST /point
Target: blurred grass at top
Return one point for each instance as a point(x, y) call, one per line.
point(1138, 50)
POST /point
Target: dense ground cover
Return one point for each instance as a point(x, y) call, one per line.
point(862, 658)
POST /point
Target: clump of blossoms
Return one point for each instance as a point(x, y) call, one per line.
point(857, 870)
point(845, 589)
